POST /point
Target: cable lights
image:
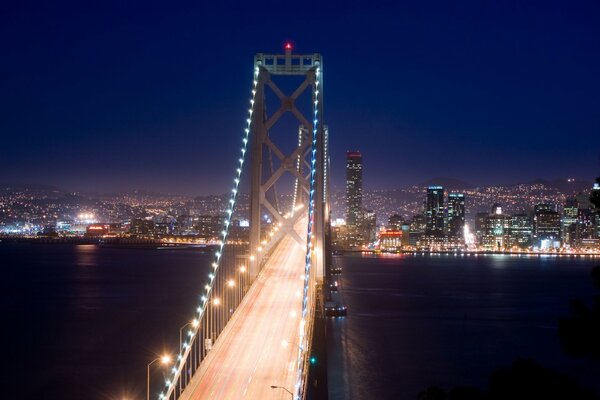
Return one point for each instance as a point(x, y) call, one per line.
point(298, 170)
point(309, 234)
point(177, 369)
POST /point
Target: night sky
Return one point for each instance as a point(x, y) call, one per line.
point(117, 96)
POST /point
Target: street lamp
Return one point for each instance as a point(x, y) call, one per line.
point(232, 297)
point(194, 323)
point(164, 360)
point(281, 387)
point(213, 317)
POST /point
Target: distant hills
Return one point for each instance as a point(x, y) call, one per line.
point(565, 186)
point(33, 189)
point(447, 183)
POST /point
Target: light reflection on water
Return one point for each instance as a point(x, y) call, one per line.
point(85, 321)
point(86, 255)
point(425, 320)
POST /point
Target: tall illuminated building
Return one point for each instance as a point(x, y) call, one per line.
point(354, 190)
point(569, 220)
point(521, 231)
point(546, 226)
point(434, 210)
point(456, 214)
point(496, 232)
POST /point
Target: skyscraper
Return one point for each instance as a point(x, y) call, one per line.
point(353, 187)
point(456, 214)
point(546, 225)
point(569, 220)
point(497, 227)
point(434, 210)
point(521, 231)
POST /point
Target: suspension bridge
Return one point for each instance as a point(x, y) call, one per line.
point(251, 335)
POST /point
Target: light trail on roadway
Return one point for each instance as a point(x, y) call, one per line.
point(259, 346)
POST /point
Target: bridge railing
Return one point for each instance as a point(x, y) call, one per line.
point(230, 284)
point(227, 283)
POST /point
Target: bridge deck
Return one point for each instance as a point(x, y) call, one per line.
point(259, 346)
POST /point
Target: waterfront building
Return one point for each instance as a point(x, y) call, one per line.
point(209, 226)
point(434, 210)
point(585, 227)
point(569, 220)
point(546, 225)
point(417, 228)
point(497, 230)
point(456, 215)
point(345, 238)
point(368, 226)
point(97, 230)
point(390, 240)
point(405, 234)
point(594, 195)
point(521, 231)
point(141, 227)
point(480, 224)
point(437, 242)
point(354, 189)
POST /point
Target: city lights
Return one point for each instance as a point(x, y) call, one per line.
point(270, 267)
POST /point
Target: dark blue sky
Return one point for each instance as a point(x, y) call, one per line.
point(116, 95)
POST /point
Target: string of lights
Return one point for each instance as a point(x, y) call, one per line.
point(192, 334)
point(298, 158)
point(309, 238)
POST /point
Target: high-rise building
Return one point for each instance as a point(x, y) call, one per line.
point(585, 227)
point(368, 226)
point(434, 210)
point(395, 222)
point(521, 231)
point(546, 226)
point(353, 188)
point(594, 196)
point(480, 226)
point(456, 215)
point(569, 220)
point(417, 228)
point(497, 230)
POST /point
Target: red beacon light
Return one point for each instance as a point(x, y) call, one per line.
point(288, 46)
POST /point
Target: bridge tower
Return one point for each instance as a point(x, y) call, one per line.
point(312, 138)
point(285, 84)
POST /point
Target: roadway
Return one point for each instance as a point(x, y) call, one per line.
point(259, 346)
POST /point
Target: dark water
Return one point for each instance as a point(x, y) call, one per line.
point(81, 322)
point(417, 321)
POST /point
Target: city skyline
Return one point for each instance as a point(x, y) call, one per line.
point(325, 200)
point(506, 94)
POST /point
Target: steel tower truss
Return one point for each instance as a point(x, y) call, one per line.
point(295, 163)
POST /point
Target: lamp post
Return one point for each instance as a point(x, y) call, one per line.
point(212, 318)
point(165, 360)
point(242, 270)
point(281, 387)
point(232, 296)
point(194, 323)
